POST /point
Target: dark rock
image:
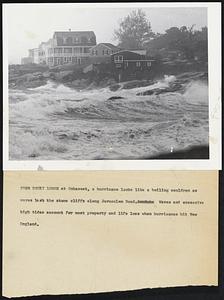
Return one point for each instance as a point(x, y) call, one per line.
point(145, 93)
point(33, 155)
point(75, 137)
point(115, 98)
point(62, 136)
point(190, 76)
point(136, 83)
point(173, 87)
point(114, 87)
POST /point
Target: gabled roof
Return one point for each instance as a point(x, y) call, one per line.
point(70, 38)
point(111, 46)
point(108, 45)
point(140, 52)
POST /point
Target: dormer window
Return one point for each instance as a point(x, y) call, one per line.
point(84, 39)
point(76, 40)
point(69, 40)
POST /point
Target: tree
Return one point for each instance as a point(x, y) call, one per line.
point(187, 41)
point(133, 30)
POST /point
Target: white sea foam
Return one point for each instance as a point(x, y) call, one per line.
point(197, 93)
point(57, 122)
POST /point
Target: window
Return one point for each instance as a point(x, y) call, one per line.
point(149, 63)
point(69, 40)
point(59, 41)
point(84, 40)
point(108, 52)
point(67, 50)
point(103, 52)
point(57, 50)
point(86, 50)
point(118, 58)
point(94, 52)
point(76, 40)
point(138, 64)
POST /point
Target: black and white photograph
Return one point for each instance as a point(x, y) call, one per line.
point(88, 82)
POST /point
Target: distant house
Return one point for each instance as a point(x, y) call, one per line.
point(130, 63)
point(104, 49)
point(26, 60)
point(102, 52)
point(66, 47)
point(70, 47)
point(33, 55)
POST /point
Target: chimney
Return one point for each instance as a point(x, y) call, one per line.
point(69, 29)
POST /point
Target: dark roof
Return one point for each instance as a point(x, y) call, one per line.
point(140, 52)
point(130, 52)
point(74, 33)
point(82, 38)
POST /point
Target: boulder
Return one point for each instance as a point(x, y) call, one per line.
point(115, 98)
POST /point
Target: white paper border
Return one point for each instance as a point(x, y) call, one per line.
point(214, 73)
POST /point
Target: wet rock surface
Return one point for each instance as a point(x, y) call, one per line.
point(115, 98)
point(177, 85)
point(32, 76)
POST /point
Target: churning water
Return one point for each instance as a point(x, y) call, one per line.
point(54, 122)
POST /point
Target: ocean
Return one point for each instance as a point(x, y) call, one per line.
point(55, 122)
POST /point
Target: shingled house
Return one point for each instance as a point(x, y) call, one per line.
point(66, 47)
point(70, 47)
point(130, 64)
point(102, 52)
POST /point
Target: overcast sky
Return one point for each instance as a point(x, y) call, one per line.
point(30, 24)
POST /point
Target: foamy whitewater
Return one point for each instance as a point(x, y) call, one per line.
point(54, 122)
